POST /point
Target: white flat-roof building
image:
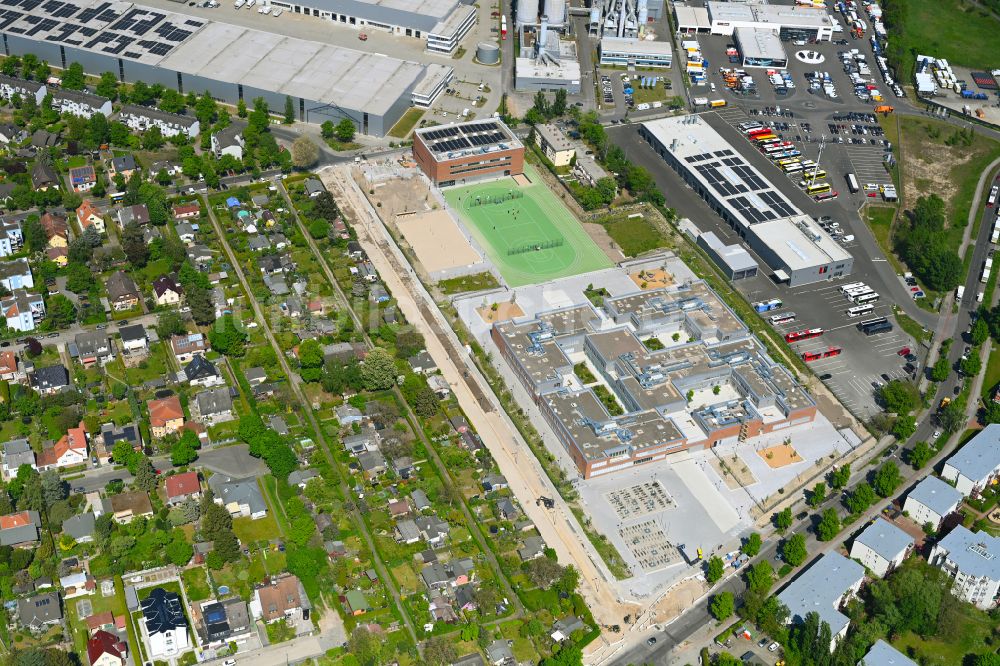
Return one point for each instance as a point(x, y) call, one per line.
point(556, 146)
point(973, 560)
point(823, 588)
point(792, 22)
point(442, 23)
point(931, 501)
point(546, 62)
point(883, 654)
point(881, 547)
point(791, 243)
point(691, 19)
point(760, 47)
point(734, 261)
point(628, 52)
point(977, 464)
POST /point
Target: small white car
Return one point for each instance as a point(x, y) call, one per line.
point(276, 11)
point(773, 647)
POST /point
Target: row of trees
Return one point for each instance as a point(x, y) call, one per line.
point(925, 246)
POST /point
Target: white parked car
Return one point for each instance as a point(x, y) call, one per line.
point(239, 3)
point(264, 9)
point(276, 11)
point(251, 3)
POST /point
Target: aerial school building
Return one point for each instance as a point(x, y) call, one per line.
point(468, 152)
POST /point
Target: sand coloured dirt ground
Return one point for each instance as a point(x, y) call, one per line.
point(437, 240)
point(736, 474)
point(779, 456)
point(652, 279)
point(503, 312)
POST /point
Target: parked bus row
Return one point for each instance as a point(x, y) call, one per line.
point(789, 159)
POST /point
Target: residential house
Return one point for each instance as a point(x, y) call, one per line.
point(11, 237)
point(42, 139)
point(435, 576)
point(79, 103)
point(107, 649)
point(16, 274)
point(241, 497)
point(972, 559)
point(356, 443)
point(50, 380)
point(44, 177)
point(80, 527)
point(439, 385)
point(201, 372)
point(506, 509)
point(165, 624)
point(222, 622)
point(883, 654)
point(229, 141)
point(70, 450)
point(11, 134)
point(372, 463)
point(138, 213)
point(534, 547)
point(464, 597)
point(977, 464)
point(82, 178)
point(56, 229)
point(182, 487)
point(124, 166)
point(187, 346)
point(313, 187)
point(122, 292)
point(284, 598)
point(142, 118)
point(166, 416)
point(134, 339)
point(302, 477)
point(111, 434)
point(403, 467)
point(341, 352)
point(881, 547)
point(125, 507)
point(22, 310)
point(441, 610)
point(199, 255)
point(422, 363)
point(433, 530)
point(40, 611)
point(828, 584)
point(166, 291)
point(494, 482)
point(93, 348)
point(399, 508)
point(16, 452)
point(186, 211)
point(564, 628)
point(258, 243)
point(931, 501)
point(58, 255)
point(88, 215)
point(255, 376)
point(499, 653)
point(355, 603)
point(348, 414)
point(212, 406)
point(10, 369)
point(420, 500)
point(20, 530)
point(11, 86)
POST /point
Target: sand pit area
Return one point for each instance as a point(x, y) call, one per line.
point(437, 240)
point(503, 312)
point(779, 456)
point(735, 473)
point(656, 278)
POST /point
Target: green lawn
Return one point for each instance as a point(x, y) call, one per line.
point(476, 282)
point(249, 530)
point(880, 222)
point(532, 238)
point(912, 327)
point(635, 235)
point(409, 120)
point(992, 377)
point(957, 30)
point(196, 584)
point(969, 636)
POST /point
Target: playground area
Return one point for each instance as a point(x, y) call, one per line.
point(528, 234)
point(438, 242)
point(779, 456)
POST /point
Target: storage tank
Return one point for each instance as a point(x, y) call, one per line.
point(556, 11)
point(487, 53)
point(527, 12)
point(643, 11)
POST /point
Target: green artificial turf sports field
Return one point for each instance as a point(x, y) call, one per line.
point(528, 234)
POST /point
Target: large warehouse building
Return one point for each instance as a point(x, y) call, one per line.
point(791, 22)
point(443, 23)
point(231, 62)
point(468, 152)
point(791, 243)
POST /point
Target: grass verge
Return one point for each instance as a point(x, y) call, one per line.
point(476, 282)
point(409, 120)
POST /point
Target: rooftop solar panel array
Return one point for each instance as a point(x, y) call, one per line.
point(741, 186)
point(476, 135)
point(111, 27)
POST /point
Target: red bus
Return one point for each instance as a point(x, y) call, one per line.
point(811, 356)
point(758, 130)
point(764, 137)
point(799, 336)
point(825, 196)
point(832, 351)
